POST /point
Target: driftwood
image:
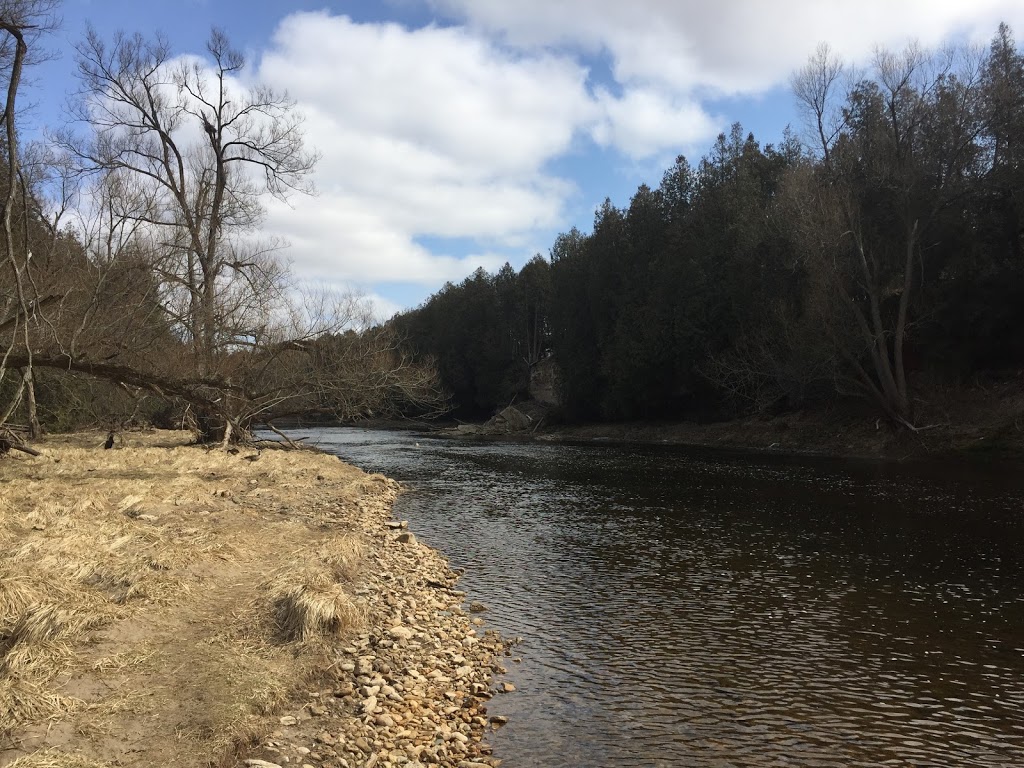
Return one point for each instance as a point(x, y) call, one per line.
point(7, 445)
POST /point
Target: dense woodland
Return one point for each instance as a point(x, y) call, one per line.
point(877, 252)
point(135, 282)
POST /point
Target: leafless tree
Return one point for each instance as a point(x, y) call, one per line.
point(864, 214)
point(194, 151)
point(21, 22)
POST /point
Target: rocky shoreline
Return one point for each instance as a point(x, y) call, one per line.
point(410, 690)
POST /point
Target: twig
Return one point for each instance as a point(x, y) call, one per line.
point(291, 443)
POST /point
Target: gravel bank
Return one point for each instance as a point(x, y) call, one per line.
point(412, 689)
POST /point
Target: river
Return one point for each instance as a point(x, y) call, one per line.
point(685, 608)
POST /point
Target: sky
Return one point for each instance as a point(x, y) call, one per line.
point(456, 134)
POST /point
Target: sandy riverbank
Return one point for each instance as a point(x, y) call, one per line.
point(162, 604)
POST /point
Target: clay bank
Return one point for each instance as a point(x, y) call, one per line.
point(163, 604)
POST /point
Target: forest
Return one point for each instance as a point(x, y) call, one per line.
point(136, 285)
point(875, 254)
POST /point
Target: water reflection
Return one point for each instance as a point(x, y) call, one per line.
point(685, 609)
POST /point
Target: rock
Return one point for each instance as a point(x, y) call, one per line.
point(477, 607)
point(288, 720)
point(344, 690)
point(326, 738)
point(401, 633)
point(261, 764)
point(369, 705)
point(384, 721)
point(406, 538)
point(511, 419)
point(498, 720)
point(396, 524)
point(507, 687)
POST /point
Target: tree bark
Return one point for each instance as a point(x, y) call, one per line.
point(35, 431)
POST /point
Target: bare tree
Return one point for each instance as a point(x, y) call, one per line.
point(816, 86)
point(22, 22)
point(198, 151)
point(897, 157)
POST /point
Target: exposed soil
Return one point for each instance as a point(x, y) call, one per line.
point(165, 604)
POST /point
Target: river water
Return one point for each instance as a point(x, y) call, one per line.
point(685, 608)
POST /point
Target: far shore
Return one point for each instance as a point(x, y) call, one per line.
point(977, 426)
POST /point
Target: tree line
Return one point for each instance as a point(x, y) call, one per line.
point(875, 253)
point(135, 280)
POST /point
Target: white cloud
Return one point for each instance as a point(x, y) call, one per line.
point(732, 46)
point(644, 121)
point(337, 239)
point(424, 133)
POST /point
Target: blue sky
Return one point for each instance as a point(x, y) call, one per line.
point(465, 133)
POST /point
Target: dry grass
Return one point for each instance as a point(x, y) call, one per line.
point(310, 597)
point(54, 758)
point(150, 596)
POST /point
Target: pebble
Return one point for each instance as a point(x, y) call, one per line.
point(401, 633)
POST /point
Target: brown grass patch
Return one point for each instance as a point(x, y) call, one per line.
point(311, 598)
point(54, 758)
point(159, 601)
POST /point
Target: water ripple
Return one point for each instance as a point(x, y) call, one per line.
point(680, 609)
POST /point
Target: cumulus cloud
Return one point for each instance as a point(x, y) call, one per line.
point(644, 121)
point(433, 132)
point(731, 47)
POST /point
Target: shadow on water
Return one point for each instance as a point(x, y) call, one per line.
point(686, 608)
